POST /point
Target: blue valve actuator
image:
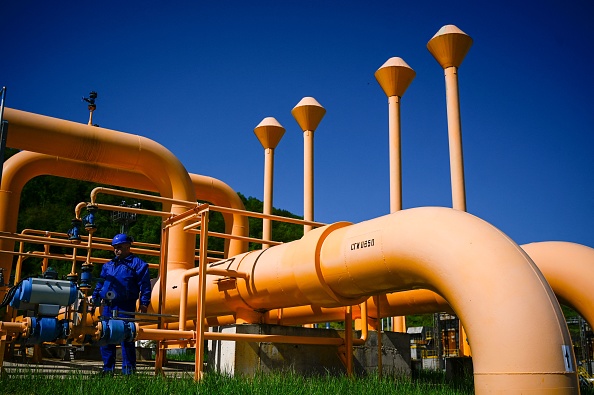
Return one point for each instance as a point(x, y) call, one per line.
point(44, 291)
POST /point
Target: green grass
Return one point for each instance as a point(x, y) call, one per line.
point(213, 383)
point(77, 383)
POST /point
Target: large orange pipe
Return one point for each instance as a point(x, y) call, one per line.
point(489, 281)
point(217, 192)
point(25, 165)
point(52, 136)
point(478, 270)
point(567, 267)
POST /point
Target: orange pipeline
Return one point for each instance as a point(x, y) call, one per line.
point(479, 271)
point(26, 165)
point(567, 267)
point(489, 282)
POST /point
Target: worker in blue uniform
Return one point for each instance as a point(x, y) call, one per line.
point(123, 281)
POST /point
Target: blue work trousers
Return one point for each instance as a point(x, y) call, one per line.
point(108, 353)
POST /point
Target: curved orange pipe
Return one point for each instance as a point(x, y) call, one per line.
point(569, 269)
point(91, 144)
point(217, 192)
point(478, 270)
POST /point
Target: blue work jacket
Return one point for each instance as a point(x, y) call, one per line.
point(128, 279)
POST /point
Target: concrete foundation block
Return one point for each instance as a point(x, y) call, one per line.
point(249, 358)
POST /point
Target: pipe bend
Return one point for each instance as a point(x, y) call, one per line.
point(569, 269)
point(92, 144)
point(501, 297)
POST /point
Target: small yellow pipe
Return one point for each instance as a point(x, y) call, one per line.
point(201, 311)
point(455, 139)
point(308, 178)
point(19, 265)
point(364, 325)
point(380, 368)
point(78, 209)
point(14, 327)
point(184, 295)
point(308, 113)
point(89, 245)
point(168, 334)
point(330, 341)
point(348, 334)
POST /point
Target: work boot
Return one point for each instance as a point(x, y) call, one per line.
point(105, 373)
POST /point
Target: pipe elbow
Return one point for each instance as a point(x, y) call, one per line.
point(487, 279)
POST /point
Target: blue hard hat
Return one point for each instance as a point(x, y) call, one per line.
point(121, 238)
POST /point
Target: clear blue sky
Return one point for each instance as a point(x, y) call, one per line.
point(194, 74)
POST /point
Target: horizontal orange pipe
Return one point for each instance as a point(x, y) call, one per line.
point(568, 268)
point(14, 327)
point(333, 341)
point(167, 334)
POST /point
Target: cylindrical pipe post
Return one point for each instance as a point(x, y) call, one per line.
point(394, 77)
point(308, 113)
point(269, 132)
point(449, 46)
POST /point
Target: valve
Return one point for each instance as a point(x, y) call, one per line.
point(36, 291)
point(74, 232)
point(47, 329)
point(50, 273)
point(89, 219)
point(115, 331)
point(86, 276)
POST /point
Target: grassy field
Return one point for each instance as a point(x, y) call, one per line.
point(29, 382)
point(286, 384)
